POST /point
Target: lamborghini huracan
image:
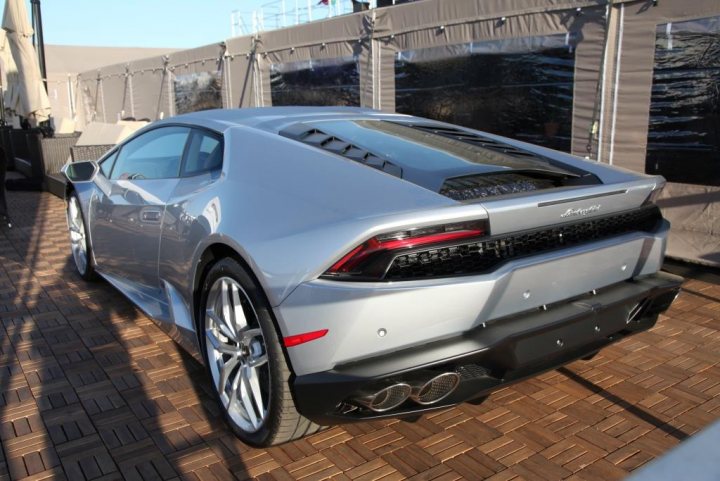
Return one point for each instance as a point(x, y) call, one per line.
point(341, 264)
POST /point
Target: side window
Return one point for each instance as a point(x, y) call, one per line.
point(107, 164)
point(204, 153)
point(153, 155)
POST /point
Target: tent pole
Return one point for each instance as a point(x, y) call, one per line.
point(37, 19)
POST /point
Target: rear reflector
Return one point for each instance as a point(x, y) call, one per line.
point(298, 339)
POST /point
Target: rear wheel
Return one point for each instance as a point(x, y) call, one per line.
point(245, 360)
point(79, 245)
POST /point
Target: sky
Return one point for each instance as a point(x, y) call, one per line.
point(145, 23)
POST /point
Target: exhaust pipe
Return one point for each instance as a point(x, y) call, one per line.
point(436, 389)
point(385, 399)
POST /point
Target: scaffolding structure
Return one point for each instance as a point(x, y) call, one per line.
point(276, 14)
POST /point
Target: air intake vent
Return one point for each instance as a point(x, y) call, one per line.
point(483, 186)
point(486, 255)
point(317, 138)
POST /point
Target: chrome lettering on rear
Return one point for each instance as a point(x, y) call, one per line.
point(581, 211)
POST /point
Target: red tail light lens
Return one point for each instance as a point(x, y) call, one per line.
point(370, 259)
point(654, 196)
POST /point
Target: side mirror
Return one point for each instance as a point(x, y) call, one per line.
point(84, 171)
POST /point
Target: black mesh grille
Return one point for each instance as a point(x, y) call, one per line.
point(485, 255)
point(483, 186)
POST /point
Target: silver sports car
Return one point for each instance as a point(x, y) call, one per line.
point(339, 264)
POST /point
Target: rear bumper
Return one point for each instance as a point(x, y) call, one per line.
point(415, 313)
point(488, 357)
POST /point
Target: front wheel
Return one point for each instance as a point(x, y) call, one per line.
point(79, 245)
point(245, 360)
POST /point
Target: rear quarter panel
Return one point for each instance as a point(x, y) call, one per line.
point(289, 210)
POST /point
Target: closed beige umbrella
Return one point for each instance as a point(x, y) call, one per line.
point(9, 77)
point(28, 96)
point(7, 64)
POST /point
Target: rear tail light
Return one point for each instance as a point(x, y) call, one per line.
point(371, 259)
point(654, 196)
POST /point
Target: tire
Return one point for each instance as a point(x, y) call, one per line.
point(80, 247)
point(253, 390)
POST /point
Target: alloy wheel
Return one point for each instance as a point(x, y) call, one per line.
point(237, 354)
point(78, 240)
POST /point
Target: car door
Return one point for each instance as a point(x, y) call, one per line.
point(191, 215)
point(130, 203)
point(192, 212)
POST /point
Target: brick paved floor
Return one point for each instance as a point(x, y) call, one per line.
point(91, 389)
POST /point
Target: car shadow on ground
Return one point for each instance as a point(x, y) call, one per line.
point(636, 411)
point(91, 387)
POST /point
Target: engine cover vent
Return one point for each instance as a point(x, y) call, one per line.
point(317, 138)
point(476, 139)
point(492, 185)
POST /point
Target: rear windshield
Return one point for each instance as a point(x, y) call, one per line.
point(431, 146)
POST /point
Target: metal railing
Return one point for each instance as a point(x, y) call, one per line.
point(276, 14)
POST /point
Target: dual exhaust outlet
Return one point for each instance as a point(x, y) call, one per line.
point(424, 393)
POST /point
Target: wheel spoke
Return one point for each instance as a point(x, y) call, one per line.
point(220, 324)
point(76, 238)
point(218, 345)
point(239, 314)
point(227, 311)
point(225, 373)
point(258, 361)
point(248, 335)
point(75, 216)
point(234, 389)
point(72, 206)
point(246, 395)
point(256, 394)
point(79, 256)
